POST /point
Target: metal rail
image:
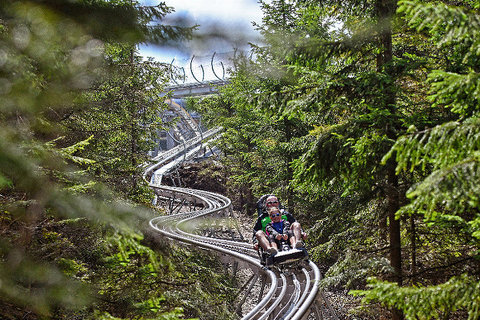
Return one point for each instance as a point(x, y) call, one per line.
point(291, 294)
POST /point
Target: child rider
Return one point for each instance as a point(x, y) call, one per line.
point(278, 228)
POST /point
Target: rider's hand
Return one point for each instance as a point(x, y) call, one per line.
point(279, 237)
point(285, 236)
point(255, 246)
point(304, 235)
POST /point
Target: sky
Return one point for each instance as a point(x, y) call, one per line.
point(232, 17)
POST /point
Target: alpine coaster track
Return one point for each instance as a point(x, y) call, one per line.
point(292, 293)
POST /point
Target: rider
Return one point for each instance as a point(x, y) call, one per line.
point(259, 237)
point(278, 229)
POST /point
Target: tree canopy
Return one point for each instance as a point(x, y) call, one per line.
point(78, 109)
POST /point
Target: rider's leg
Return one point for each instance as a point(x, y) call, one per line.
point(297, 232)
point(292, 241)
point(274, 244)
point(262, 240)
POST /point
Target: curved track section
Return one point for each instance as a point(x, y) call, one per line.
point(291, 293)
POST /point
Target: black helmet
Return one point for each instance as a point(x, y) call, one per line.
point(261, 203)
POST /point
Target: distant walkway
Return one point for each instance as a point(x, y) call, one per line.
point(195, 89)
point(201, 75)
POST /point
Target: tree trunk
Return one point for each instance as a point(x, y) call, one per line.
point(250, 203)
point(133, 129)
point(394, 225)
point(289, 159)
point(385, 11)
point(413, 241)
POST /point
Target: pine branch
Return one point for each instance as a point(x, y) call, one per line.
point(442, 267)
point(438, 147)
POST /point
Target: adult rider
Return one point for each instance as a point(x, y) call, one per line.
point(260, 237)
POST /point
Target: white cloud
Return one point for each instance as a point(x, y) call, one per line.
point(226, 10)
point(232, 18)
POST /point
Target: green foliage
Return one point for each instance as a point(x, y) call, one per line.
point(205, 279)
point(70, 267)
point(433, 302)
point(446, 158)
point(338, 91)
point(129, 277)
point(122, 117)
point(52, 59)
point(40, 71)
point(448, 152)
point(129, 245)
point(352, 270)
point(351, 259)
point(177, 314)
point(450, 27)
point(38, 287)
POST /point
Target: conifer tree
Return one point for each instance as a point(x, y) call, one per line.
point(336, 70)
point(357, 77)
point(51, 52)
point(447, 155)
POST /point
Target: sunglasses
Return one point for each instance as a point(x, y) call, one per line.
point(275, 215)
point(272, 202)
